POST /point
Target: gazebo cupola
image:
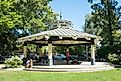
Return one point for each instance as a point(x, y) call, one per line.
point(61, 24)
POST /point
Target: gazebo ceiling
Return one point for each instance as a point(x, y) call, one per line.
point(59, 36)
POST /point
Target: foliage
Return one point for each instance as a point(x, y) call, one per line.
point(73, 49)
point(7, 41)
point(26, 14)
point(32, 47)
point(117, 35)
point(104, 51)
point(13, 62)
point(19, 18)
point(104, 21)
point(37, 15)
point(91, 1)
point(114, 59)
point(60, 49)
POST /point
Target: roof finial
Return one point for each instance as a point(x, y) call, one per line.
point(60, 15)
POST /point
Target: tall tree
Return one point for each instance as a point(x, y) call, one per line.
point(36, 14)
point(26, 16)
point(105, 19)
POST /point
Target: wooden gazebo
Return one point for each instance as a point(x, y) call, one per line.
point(60, 36)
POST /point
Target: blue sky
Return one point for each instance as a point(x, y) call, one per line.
point(74, 10)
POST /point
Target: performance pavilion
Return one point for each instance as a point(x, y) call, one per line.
point(58, 37)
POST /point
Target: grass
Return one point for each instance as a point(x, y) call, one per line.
point(112, 75)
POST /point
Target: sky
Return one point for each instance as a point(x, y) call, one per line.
point(73, 10)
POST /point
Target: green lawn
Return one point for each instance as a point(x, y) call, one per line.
point(113, 75)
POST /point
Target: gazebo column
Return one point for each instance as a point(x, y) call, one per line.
point(25, 51)
point(50, 54)
point(40, 51)
point(86, 52)
point(92, 54)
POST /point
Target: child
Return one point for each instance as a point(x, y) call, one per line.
point(29, 63)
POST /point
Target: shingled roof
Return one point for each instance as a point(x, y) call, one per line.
point(59, 32)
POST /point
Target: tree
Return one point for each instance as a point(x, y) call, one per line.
point(26, 16)
point(105, 19)
point(90, 25)
point(91, 1)
point(105, 22)
point(73, 49)
point(36, 15)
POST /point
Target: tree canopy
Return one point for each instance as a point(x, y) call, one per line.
point(23, 17)
point(104, 21)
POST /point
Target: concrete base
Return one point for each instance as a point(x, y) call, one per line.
point(50, 62)
point(92, 61)
point(84, 67)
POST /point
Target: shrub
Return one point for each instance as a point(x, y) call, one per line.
point(13, 62)
point(114, 59)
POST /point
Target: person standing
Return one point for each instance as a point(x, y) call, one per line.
point(68, 57)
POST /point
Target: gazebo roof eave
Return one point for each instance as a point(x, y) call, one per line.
point(57, 33)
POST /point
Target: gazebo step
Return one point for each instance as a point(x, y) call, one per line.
point(70, 66)
point(70, 69)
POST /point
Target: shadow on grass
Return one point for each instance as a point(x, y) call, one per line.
point(117, 66)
